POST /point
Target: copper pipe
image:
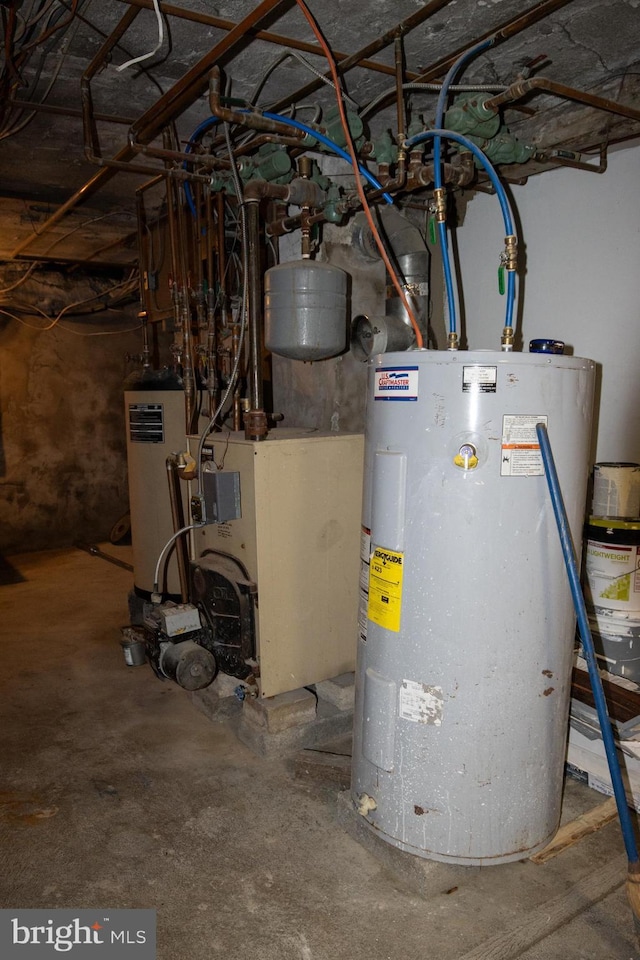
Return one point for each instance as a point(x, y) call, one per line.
point(168, 107)
point(356, 59)
point(177, 516)
point(578, 164)
point(66, 111)
point(399, 61)
point(292, 43)
point(143, 253)
point(202, 159)
point(522, 87)
point(125, 241)
point(255, 421)
point(189, 87)
point(173, 243)
point(506, 30)
point(254, 121)
point(91, 138)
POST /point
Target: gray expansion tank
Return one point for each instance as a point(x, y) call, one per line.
point(305, 310)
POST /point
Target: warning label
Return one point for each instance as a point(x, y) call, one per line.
point(385, 588)
point(521, 455)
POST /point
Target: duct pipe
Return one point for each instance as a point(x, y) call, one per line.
point(255, 420)
point(409, 254)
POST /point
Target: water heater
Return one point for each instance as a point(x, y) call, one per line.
point(466, 620)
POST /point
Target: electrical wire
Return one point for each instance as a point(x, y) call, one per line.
point(293, 54)
point(165, 550)
point(64, 50)
point(25, 276)
point(354, 160)
point(152, 53)
point(132, 283)
point(77, 333)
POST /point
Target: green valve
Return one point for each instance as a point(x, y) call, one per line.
point(501, 286)
point(433, 236)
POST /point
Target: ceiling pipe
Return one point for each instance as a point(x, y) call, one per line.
point(29, 105)
point(356, 59)
point(522, 87)
point(194, 83)
point(167, 108)
point(220, 23)
point(505, 31)
point(255, 121)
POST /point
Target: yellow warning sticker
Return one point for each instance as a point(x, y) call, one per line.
point(385, 588)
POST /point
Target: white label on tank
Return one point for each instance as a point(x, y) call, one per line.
point(521, 455)
point(396, 383)
point(365, 544)
point(421, 703)
point(478, 379)
point(365, 554)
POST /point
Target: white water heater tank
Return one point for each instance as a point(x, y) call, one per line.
point(466, 620)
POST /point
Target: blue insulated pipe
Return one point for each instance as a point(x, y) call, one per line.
point(438, 134)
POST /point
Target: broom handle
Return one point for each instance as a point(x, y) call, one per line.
point(587, 643)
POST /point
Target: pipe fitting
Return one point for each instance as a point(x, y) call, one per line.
point(452, 340)
point(255, 425)
point(439, 205)
point(506, 341)
point(509, 258)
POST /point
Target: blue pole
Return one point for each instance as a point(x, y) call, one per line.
point(587, 642)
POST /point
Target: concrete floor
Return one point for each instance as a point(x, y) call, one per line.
point(117, 792)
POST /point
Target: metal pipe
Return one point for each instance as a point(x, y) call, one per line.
point(254, 121)
point(291, 43)
point(506, 30)
point(522, 87)
point(399, 61)
point(255, 420)
point(91, 138)
point(356, 59)
point(156, 118)
point(177, 156)
point(66, 111)
point(143, 258)
point(177, 517)
point(126, 241)
point(189, 87)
